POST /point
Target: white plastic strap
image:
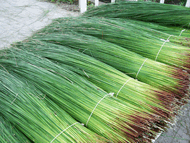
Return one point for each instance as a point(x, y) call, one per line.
point(111, 94)
point(141, 67)
point(4, 68)
point(38, 96)
point(162, 46)
point(14, 99)
point(64, 130)
point(181, 32)
point(86, 74)
point(123, 86)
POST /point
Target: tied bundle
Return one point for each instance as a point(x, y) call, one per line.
point(143, 41)
point(38, 117)
point(163, 14)
point(181, 32)
point(110, 117)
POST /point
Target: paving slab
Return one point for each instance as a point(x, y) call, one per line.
point(180, 131)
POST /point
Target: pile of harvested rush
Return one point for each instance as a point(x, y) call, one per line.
point(113, 118)
point(90, 79)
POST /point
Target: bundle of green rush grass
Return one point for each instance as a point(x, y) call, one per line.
point(140, 41)
point(177, 31)
point(110, 117)
point(162, 14)
point(167, 78)
point(10, 134)
point(137, 29)
point(40, 119)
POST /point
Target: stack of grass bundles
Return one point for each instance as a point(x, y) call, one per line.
point(108, 116)
point(163, 14)
point(170, 79)
point(104, 76)
point(10, 134)
point(40, 119)
point(146, 43)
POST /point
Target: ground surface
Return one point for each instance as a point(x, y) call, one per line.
point(20, 18)
point(180, 132)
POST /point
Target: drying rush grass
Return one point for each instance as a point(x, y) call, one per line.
point(167, 78)
point(113, 118)
point(146, 42)
point(163, 14)
point(38, 117)
point(171, 30)
point(90, 79)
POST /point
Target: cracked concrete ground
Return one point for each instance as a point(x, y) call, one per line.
point(20, 18)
